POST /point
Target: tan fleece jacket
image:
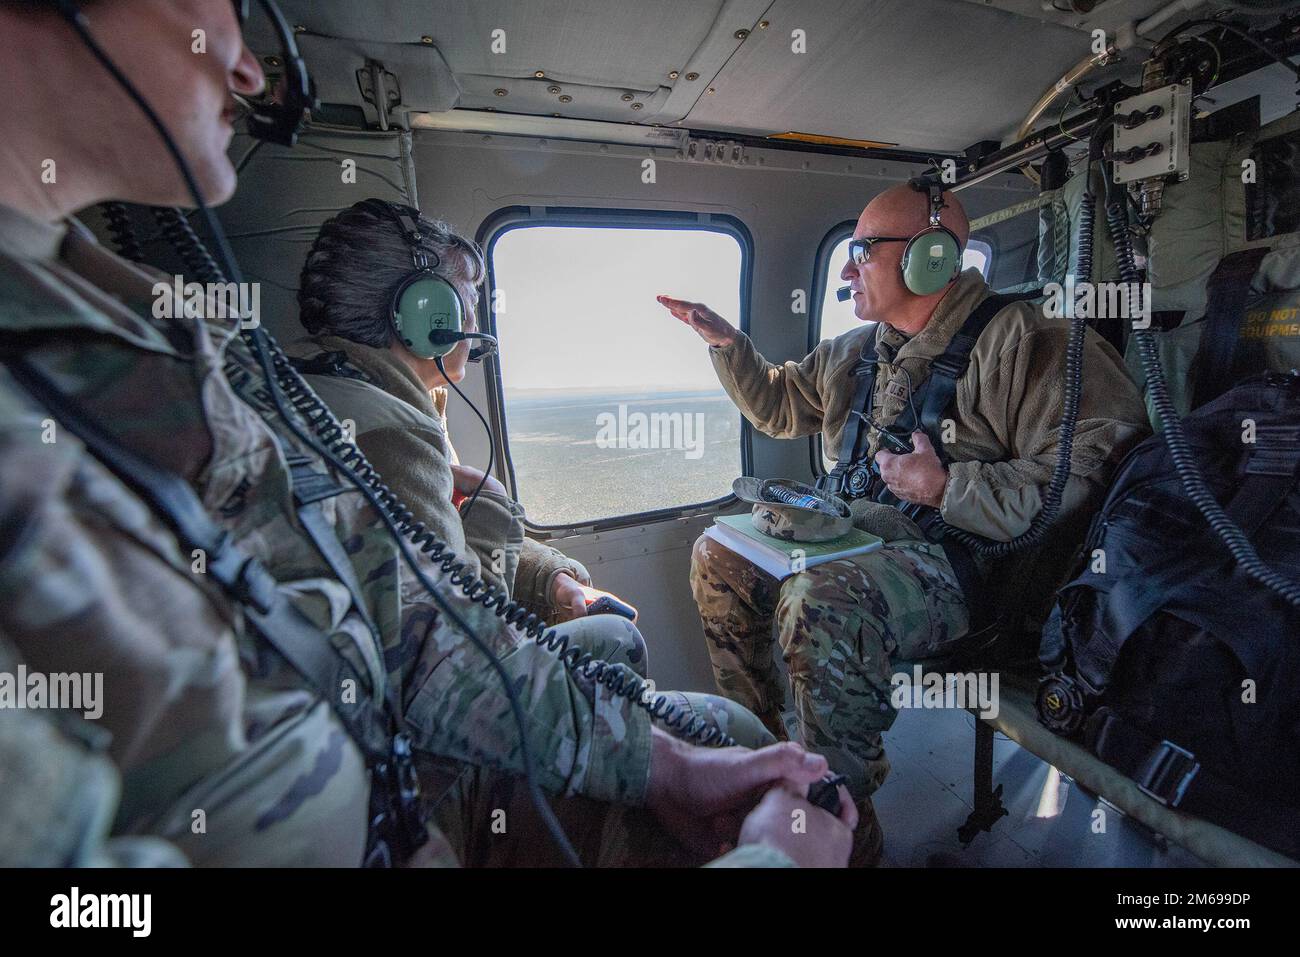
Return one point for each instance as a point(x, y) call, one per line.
point(1006, 416)
point(402, 429)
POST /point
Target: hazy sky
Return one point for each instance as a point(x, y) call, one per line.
point(580, 308)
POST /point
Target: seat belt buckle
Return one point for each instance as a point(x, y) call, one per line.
point(1167, 773)
point(1276, 451)
point(954, 367)
point(256, 586)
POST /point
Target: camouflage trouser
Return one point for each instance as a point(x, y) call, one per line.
point(486, 817)
point(609, 638)
point(841, 627)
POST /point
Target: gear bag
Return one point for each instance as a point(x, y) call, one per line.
point(1169, 662)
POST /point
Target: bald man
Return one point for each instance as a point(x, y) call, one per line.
point(843, 625)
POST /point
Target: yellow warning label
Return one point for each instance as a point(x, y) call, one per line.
point(1271, 323)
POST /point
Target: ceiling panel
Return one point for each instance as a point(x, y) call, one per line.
point(927, 74)
point(923, 74)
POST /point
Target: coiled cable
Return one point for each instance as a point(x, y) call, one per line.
point(338, 449)
point(1171, 425)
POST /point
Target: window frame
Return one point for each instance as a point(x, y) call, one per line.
point(834, 236)
point(985, 245)
point(510, 218)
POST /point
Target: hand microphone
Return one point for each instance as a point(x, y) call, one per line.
point(844, 293)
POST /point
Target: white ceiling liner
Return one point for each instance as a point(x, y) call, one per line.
point(925, 74)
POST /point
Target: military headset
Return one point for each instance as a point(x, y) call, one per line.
point(932, 257)
point(426, 311)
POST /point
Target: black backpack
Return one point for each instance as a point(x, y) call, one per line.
point(1151, 655)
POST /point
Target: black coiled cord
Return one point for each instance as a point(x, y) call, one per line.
point(122, 232)
point(329, 431)
point(1180, 452)
point(176, 229)
point(616, 677)
point(1074, 347)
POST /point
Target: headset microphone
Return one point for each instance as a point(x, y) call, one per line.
point(844, 293)
point(447, 337)
point(278, 115)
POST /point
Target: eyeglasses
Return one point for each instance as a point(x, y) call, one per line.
point(860, 249)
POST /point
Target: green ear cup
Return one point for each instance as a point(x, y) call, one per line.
point(426, 308)
point(931, 260)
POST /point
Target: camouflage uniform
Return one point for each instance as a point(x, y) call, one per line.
point(842, 626)
point(221, 748)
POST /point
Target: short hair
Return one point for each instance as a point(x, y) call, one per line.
point(359, 259)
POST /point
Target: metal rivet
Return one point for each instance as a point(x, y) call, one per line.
point(626, 97)
point(673, 75)
point(566, 99)
point(763, 24)
point(426, 39)
point(712, 90)
point(540, 74)
point(741, 34)
point(636, 106)
point(271, 60)
point(299, 28)
point(552, 89)
point(692, 77)
point(500, 91)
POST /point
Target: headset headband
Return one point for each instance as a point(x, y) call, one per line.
point(934, 191)
point(408, 221)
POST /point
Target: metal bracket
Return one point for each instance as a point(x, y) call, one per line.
point(988, 799)
point(380, 89)
point(726, 152)
point(1154, 133)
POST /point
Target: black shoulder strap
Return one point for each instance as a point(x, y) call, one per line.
point(1225, 306)
point(864, 371)
point(1172, 775)
point(948, 367)
point(331, 363)
point(242, 577)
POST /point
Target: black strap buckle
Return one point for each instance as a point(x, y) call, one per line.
point(397, 813)
point(1166, 774)
point(1276, 451)
point(952, 366)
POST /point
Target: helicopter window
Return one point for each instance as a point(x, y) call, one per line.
point(611, 407)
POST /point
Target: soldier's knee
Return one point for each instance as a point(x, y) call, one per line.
point(703, 555)
point(821, 606)
point(610, 638)
point(706, 569)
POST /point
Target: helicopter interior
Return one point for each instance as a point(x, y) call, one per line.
point(605, 151)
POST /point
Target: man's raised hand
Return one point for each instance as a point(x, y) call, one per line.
point(712, 328)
